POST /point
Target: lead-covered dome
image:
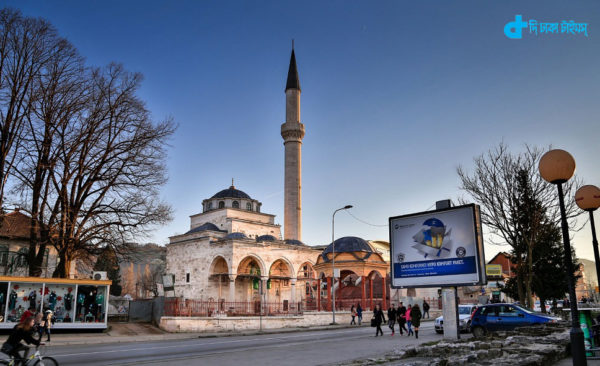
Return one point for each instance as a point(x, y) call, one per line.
point(204, 227)
point(231, 192)
point(349, 244)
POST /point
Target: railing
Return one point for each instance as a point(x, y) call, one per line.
point(203, 308)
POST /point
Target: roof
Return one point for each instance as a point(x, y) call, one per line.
point(293, 242)
point(266, 238)
point(15, 225)
point(231, 192)
point(293, 81)
point(349, 244)
point(204, 227)
point(236, 235)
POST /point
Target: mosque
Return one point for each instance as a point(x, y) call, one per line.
point(233, 249)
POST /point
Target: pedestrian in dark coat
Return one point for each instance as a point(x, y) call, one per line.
point(392, 318)
point(379, 319)
point(425, 309)
point(401, 314)
point(415, 318)
point(359, 313)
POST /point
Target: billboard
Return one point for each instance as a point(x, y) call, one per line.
point(493, 270)
point(438, 248)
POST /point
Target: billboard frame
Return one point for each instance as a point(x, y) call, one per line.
point(480, 254)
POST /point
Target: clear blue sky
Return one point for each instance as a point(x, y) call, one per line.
point(395, 95)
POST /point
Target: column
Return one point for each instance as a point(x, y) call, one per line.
point(318, 294)
point(363, 284)
point(232, 288)
point(293, 292)
point(384, 302)
point(329, 293)
point(370, 293)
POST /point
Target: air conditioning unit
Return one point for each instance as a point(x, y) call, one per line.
point(99, 275)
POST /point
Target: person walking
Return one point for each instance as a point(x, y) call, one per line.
point(353, 314)
point(379, 318)
point(359, 313)
point(48, 321)
point(425, 309)
point(401, 313)
point(415, 318)
point(392, 318)
point(408, 320)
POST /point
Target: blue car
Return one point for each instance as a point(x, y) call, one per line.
point(499, 317)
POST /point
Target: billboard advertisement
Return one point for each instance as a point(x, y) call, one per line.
point(438, 248)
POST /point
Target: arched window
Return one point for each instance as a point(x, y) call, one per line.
point(249, 206)
point(3, 255)
point(210, 205)
point(236, 204)
point(221, 204)
point(22, 257)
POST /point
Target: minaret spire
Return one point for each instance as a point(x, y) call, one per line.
point(292, 132)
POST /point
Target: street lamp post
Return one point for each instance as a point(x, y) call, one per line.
point(557, 167)
point(588, 199)
point(333, 258)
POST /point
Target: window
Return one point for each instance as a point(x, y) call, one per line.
point(3, 255)
point(210, 205)
point(187, 278)
point(249, 206)
point(507, 310)
point(236, 204)
point(21, 260)
point(221, 204)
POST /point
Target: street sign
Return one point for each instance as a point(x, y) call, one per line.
point(493, 270)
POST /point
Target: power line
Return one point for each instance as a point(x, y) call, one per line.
point(363, 221)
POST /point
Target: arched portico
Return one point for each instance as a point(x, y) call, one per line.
point(248, 277)
point(218, 278)
point(279, 285)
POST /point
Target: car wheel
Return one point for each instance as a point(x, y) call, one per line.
point(439, 331)
point(469, 326)
point(478, 332)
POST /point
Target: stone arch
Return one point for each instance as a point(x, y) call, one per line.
point(219, 266)
point(281, 268)
point(245, 265)
point(306, 271)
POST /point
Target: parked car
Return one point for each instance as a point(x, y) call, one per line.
point(538, 308)
point(464, 316)
point(498, 317)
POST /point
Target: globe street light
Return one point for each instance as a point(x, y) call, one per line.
point(557, 167)
point(333, 257)
point(588, 199)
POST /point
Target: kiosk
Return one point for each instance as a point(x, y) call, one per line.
point(76, 304)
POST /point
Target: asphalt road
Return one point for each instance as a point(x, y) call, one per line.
point(299, 348)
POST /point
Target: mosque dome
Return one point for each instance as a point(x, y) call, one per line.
point(266, 238)
point(231, 192)
point(293, 242)
point(349, 244)
point(204, 227)
point(236, 236)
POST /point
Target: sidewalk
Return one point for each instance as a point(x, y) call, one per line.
point(142, 332)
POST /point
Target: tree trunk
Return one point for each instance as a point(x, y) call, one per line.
point(520, 281)
point(63, 269)
point(529, 276)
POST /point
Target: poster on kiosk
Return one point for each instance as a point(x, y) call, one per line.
point(441, 248)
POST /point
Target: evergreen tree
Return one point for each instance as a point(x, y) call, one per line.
point(107, 261)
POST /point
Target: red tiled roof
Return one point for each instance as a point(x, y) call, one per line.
point(15, 225)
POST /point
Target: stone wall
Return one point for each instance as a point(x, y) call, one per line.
point(237, 324)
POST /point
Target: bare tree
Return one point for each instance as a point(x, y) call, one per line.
point(494, 185)
point(26, 45)
point(109, 170)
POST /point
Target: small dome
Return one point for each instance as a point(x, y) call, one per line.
point(231, 192)
point(349, 244)
point(293, 242)
point(236, 236)
point(266, 238)
point(204, 227)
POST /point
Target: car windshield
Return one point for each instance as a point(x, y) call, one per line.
point(524, 309)
point(464, 310)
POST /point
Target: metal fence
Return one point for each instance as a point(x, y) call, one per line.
point(189, 307)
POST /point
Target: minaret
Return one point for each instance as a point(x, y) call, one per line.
point(292, 132)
